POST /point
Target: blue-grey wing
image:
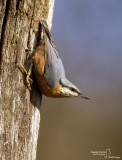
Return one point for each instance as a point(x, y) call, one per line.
point(54, 69)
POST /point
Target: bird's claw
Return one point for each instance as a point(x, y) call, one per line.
point(28, 80)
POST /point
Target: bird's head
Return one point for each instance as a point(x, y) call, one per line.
point(70, 90)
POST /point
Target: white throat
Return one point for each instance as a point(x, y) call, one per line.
point(67, 92)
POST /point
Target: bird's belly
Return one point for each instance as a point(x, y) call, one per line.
point(38, 68)
point(45, 89)
point(43, 86)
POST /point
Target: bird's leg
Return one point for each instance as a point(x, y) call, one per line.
point(28, 80)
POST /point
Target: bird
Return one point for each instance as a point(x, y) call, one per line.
point(49, 70)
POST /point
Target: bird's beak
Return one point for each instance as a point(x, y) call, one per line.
point(83, 96)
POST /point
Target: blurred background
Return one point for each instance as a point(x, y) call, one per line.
point(88, 35)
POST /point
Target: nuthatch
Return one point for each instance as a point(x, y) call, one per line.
point(49, 70)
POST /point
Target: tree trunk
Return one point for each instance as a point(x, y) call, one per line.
point(19, 108)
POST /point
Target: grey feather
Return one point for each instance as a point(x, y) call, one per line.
point(54, 69)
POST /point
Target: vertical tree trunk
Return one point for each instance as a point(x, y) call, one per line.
point(19, 109)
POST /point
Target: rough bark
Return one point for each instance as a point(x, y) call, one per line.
point(19, 108)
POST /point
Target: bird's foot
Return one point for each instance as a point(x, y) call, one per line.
point(28, 80)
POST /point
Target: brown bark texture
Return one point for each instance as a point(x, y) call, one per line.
point(19, 108)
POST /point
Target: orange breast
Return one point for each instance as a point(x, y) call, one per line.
point(38, 67)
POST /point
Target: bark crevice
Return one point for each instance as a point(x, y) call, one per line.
point(28, 43)
point(17, 5)
point(3, 30)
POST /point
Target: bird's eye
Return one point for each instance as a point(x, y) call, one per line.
point(72, 89)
